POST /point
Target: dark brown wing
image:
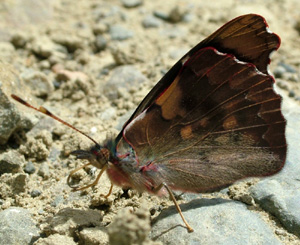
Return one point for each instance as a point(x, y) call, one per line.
point(246, 37)
point(219, 121)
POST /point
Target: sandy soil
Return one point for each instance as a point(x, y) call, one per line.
point(56, 44)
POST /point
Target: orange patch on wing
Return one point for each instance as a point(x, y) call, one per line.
point(186, 132)
point(230, 105)
point(203, 122)
point(170, 101)
point(230, 123)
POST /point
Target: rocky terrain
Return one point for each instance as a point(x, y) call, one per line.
point(91, 62)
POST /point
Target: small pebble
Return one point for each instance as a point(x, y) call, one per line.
point(29, 168)
point(108, 114)
point(287, 67)
point(58, 200)
point(292, 94)
point(35, 193)
point(11, 162)
point(44, 170)
point(93, 235)
point(188, 17)
point(120, 33)
point(173, 32)
point(282, 84)
point(279, 71)
point(161, 15)
point(39, 83)
point(151, 22)
point(99, 28)
point(131, 3)
point(100, 43)
point(297, 26)
point(177, 14)
point(152, 211)
point(44, 47)
point(70, 42)
point(56, 84)
point(19, 39)
point(6, 50)
point(44, 64)
point(54, 154)
point(123, 77)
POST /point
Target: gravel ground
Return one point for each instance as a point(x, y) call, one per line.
point(91, 63)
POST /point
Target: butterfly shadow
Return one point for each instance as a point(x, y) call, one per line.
point(194, 204)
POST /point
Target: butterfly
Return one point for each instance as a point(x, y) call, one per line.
point(212, 119)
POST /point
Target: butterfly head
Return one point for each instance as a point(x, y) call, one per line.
point(97, 156)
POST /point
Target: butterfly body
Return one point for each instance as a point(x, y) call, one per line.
point(129, 176)
point(123, 168)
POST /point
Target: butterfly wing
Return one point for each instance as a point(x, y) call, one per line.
point(246, 37)
point(219, 121)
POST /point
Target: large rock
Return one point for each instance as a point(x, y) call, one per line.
point(17, 227)
point(215, 221)
point(9, 116)
point(280, 194)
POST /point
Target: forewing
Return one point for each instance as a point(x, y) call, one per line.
point(246, 37)
point(218, 121)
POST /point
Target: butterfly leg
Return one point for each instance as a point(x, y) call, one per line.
point(76, 188)
point(156, 189)
point(110, 191)
point(73, 172)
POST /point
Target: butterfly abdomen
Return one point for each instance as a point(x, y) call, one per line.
point(118, 176)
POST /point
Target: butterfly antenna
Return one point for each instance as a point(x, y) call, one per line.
point(49, 114)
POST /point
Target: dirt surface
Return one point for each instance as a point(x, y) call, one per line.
point(65, 55)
